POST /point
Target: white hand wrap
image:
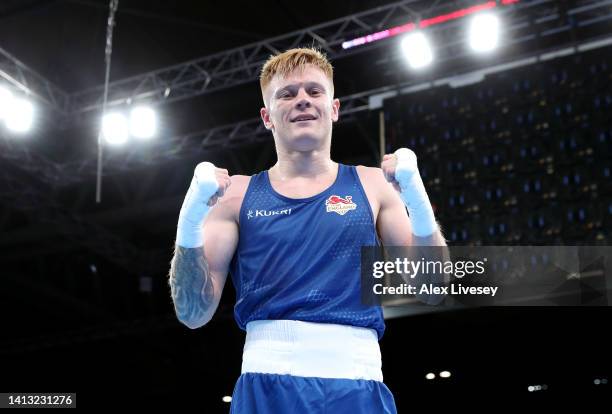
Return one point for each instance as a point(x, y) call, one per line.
point(413, 193)
point(195, 209)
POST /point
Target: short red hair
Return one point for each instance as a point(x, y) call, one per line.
point(286, 62)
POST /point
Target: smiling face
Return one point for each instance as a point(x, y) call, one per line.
point(300, 109)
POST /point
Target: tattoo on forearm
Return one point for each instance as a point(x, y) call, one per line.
point(190, 284)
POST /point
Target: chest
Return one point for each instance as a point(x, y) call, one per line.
point(336, 220)
point(301, 188)
point(297, 190)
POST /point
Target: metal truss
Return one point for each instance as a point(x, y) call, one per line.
point(528, 28)
point(242, 64)
point(523, 29)
point(209, 73)
point(21, 192)
point(31, 83)
point(233, 135)
point(226, 136)
point(18, 152)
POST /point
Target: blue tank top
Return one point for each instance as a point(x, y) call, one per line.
point(300, 259)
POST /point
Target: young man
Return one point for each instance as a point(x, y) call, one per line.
point(291, 238)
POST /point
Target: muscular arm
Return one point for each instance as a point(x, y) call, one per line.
point(191, 286)
point(198, 275)
point(395, 229)
point(393, 224)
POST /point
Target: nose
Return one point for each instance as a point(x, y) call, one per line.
point(303, 101)
point(303, 104)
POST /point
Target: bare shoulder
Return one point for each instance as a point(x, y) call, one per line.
point(239, 184)
point(373, 183)
point(237, 188)
point(228, 206)
point(372, 175)
point(374, 179)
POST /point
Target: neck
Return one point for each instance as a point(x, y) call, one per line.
point(293, 164)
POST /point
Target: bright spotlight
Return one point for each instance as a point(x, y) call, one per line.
point(19, 115)
point(484, 32)
point(6, 97)
point(445, 374)
point(227, 399)
point(143, 122)
point(417, 50)
point(430, 376)
point(115, 128)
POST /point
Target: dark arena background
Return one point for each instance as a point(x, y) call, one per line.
point(514, 147)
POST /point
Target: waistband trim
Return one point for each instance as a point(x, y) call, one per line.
point(309, 349)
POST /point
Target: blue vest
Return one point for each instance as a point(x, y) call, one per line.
point(300, 259)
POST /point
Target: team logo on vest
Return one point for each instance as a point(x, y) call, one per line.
point(267, 213)
point(340, 205)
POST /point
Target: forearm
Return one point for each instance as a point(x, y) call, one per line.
point(434, 239)
point(435, 254)
point(191, 282)
point(425, 229)
point(191, 286)
point(401, 168)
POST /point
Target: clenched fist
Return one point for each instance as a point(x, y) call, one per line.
point(207, 185)
point(401, 170)
point(223, 180)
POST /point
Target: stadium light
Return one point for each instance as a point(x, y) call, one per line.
point(143, 122)
point(19, 115)
point(484, 32)
point(417, 50)
point(115, 128)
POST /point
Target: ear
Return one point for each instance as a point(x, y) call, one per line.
point(265, 117)
point(335, 109)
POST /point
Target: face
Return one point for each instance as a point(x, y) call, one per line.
point(300, 109)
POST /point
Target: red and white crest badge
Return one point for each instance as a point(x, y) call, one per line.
point(340, 205)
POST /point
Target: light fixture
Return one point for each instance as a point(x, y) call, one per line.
point(143, 122)
point(19, 115)
point(115, 128)
point(417, 50)
point(484, 32)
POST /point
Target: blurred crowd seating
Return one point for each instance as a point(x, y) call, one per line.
point(523, 157)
